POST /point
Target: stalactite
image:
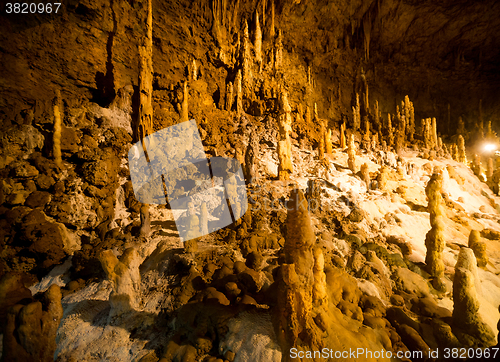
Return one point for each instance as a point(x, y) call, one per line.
point(285, 167)
point(258, 39)
point(278, 63)
point(239, 93)
point(185, 111)
point(409, 114)
point(271, 31)
point(366, 103)
point(366, 31)
point(56, 137)
point(216, 26)
point(229, 96)
point(247, 63)
point(146, 78)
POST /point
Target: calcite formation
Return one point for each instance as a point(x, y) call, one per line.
point(478, 247)
point(434, 240)
point(56, 137)
point(285, 167)
point(351, 153)
point(30, 330)
point(125, 280)
point(462, 156)
point(298, 276)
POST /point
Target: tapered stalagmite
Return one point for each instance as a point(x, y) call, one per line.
point(476, 165)
point(489, 169)
point(351, 153)
point(185, 110)
point(409, 114)
point(295, 293)
point(390, 131)
point(478, 247)
point(465, 299)
point(285, 167)
point(462, 157)
point(434, 240)
point(328, 142)
point(145, 229)
point(434, 132)
point(454, 152)
point(343, 143)
point(56, 137)
point(194, 70)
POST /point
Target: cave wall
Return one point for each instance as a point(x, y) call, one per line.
point(438, 53)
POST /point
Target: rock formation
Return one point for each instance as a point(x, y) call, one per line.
point(478, 247)
point(56, 138)
point(125, 280)
point(30, 330)
point(285, 143)
point(462, 157)
point(351, 153)
point(434, 240)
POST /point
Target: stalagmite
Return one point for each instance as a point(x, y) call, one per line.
point(125, 280)
point(295, 291)
point(454, 152)
point(476, 165)
point(285, 167)
point(185, 111)
point(434, 240)
point(56, 138)
point(229, 96)
point(356, 114)
point(193, 229)
point(239, 94)
point(376, 119)
point(489, 170)
point(478, 247)
point(465, 299)
point(462, 157)
point(434, 133)
point(328, 142)
point(390, 131)
point(351, 153)
point(258, 39)
point(409, 114)
point(145, 229)
point(319, 293)
point(343, 143)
